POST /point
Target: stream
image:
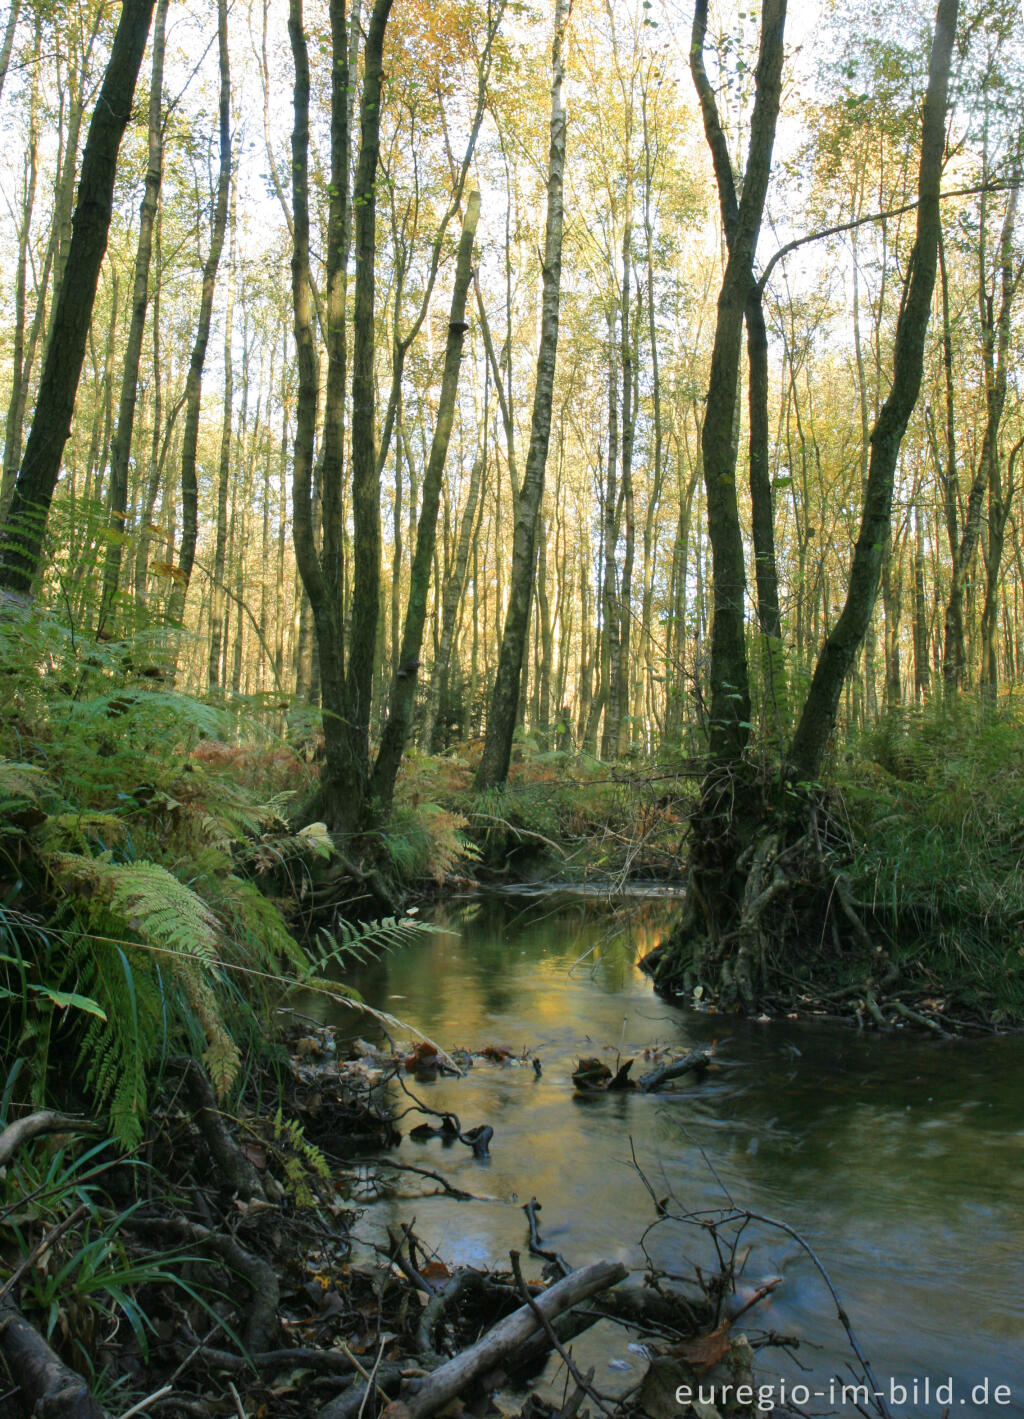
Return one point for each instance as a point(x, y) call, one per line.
point(899, 1159)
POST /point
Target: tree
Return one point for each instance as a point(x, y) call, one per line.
point(752, 851)
point(346, 690)
point(501, 720)
point(405, 674)
point(22, 538)
point(194, 381)
point(120, 451)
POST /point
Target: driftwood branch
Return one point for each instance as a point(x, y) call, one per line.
point(698, 1060)
point(583, 1382)
point(23, 1130)
point(439, 1388)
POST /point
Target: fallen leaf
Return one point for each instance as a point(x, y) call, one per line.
point(706, 1350)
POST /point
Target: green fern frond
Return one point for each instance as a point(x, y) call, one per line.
point(146, 901)
point(82, 831)
point(364, 941)
point(254, 923)
point(221, 1055)
point(117, 1054)
point(21, 785)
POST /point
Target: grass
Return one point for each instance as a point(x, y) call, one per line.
point(935, 798)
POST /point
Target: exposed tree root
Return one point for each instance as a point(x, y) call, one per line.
point(236, 1169)
point(50, 1389)
point(771, 914)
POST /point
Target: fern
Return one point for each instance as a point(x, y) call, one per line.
point(361, 942)
point(145, 900)
point(426, 840)
point(118, 1053)
point(253, 924)
point(142, 901)
point(302, 1161)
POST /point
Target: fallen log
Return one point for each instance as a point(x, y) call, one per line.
point(48, 1386)
point(698, 1060)
point(450, 1379)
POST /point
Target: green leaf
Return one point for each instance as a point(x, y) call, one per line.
point(63, 998)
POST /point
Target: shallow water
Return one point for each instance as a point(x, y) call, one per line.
point(899, 1159)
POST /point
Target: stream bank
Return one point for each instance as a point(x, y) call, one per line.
point(896, 1155)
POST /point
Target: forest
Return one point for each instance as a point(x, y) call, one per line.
point(457, 445)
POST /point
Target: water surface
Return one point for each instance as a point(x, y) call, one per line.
point(899, 1159)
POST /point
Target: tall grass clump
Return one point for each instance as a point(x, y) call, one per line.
point(935, 796)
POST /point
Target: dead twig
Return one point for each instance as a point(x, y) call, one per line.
point(582, 1381)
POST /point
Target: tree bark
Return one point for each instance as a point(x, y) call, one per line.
point(121, 445)
point(44, 1381)
point(194, 380)
point(218, 600)
point(350, 788)
point(730, 692)
point(497, 753)
point(451, 599)
point(840, 649)
point(8, 40)
point(406, 672)
point(22, 538)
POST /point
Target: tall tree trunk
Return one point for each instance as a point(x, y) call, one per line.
point(121, 446)
point(607, 697)
point(345, 691)
point(922, 669)
point(497, 753)
point(837, 656)
point(22, 537)
point(20, 364)
point(218, 600)
point(194, 381)
point(406, 672)
point(440, 678)
point(8, 41)
point(730, 692)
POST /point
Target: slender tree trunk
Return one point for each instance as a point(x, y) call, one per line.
point(497, 753)
point(194, 381)
point(20, 364)
point(607, 698)
point(440, 679)
point(730, 693)
point(406, 672)
point(624, 609)
point(922, 669)
point(346, 691)
point(22, 538)
point(8, 41)
point(120, 453)
point(218, 600)
point(837, 656)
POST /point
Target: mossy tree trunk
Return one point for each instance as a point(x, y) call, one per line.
point(406, 671)
point(763, 874)
point(22, 542)
point(501, 721)
point(345, 667)
point(729, 702)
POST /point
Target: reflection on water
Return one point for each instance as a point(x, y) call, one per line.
point(900, 1159)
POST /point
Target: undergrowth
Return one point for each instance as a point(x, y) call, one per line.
point(562, 816)
point(146, 866)
point(935, 797)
